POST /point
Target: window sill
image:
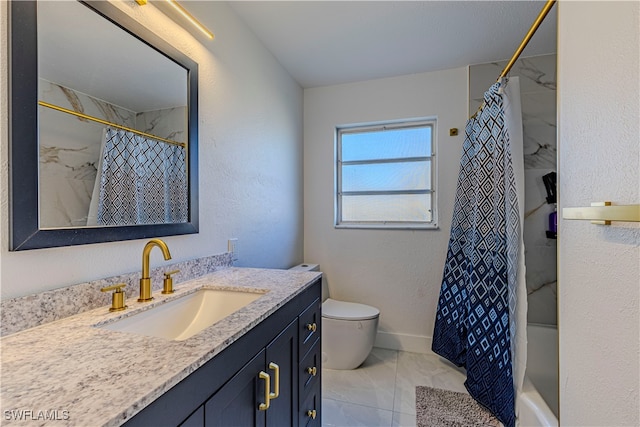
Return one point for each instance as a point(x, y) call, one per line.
point(387, 226)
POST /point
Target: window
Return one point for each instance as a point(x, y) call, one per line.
point(385, 176)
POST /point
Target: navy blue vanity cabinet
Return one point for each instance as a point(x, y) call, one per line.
point(228, 390)
point(238, 402)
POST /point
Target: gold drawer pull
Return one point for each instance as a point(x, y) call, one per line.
point(311, 370)
point(311, 327)
point(276, 385)
point(267, 396)
point(312, 413)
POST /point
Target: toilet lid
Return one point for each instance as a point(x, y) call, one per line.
point(342, 310)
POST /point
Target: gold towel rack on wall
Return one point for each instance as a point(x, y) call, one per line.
point(104, 122)
point(603, 213)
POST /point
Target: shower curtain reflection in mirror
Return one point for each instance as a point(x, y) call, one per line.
point(139, 181)
point(70, 148)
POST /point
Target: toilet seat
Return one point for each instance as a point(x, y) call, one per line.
point(342, 310)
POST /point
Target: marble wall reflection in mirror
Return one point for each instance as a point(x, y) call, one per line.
point(104, 128)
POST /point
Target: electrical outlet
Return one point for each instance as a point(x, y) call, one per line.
point(232, 246)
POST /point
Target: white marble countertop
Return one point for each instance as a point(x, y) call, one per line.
point(70, 372)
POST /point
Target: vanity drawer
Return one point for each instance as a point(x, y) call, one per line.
point(310, 415)
point(309, 328)
point(309, 371)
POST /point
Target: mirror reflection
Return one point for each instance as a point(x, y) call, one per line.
point(113, 124)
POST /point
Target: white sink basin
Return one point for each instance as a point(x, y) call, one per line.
point(186, 316)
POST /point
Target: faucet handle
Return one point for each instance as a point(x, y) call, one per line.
point(168, 282)
point(117, 298)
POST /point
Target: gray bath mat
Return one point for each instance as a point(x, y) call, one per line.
point(444, 408)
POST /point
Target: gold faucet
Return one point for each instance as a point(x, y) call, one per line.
point(145, 281)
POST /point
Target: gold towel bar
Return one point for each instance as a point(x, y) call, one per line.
point(603, 213)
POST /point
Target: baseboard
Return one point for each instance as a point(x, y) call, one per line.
point(403, 342)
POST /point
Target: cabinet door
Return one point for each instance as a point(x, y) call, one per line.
point(236, 404)
point(283, 351)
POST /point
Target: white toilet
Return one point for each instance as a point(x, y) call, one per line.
point(348, 330)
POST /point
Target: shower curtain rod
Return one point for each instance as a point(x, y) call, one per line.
point(534, 27)
point(104, 122)
point(543, 14)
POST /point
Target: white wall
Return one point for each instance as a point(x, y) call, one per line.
point(398, 271)
point(250, 159)
point(599, 266)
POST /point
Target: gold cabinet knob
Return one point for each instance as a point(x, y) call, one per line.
point(311, 413)
point(312, 370)
point(117, 298)
point(311, 326)
point(168, 282)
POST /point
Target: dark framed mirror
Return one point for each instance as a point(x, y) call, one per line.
point(80, 103)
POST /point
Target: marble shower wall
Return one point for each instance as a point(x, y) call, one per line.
point(70, 147)
point(167, 123)
point(538, 96)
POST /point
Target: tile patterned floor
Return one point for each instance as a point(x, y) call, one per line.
point(381, 392)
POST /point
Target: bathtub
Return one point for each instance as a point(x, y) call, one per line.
point(538, 402)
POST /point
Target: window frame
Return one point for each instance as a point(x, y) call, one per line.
point(432, 158)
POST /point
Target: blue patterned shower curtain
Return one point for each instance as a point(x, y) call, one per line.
point(472, 327)
point(142, 181)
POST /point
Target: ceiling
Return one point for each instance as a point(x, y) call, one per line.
point(332, 42)
point(318, 42)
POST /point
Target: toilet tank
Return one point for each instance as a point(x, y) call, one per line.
point(314, 267)
point(306, 267)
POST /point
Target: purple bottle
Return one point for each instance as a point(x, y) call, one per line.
point(553, 222)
